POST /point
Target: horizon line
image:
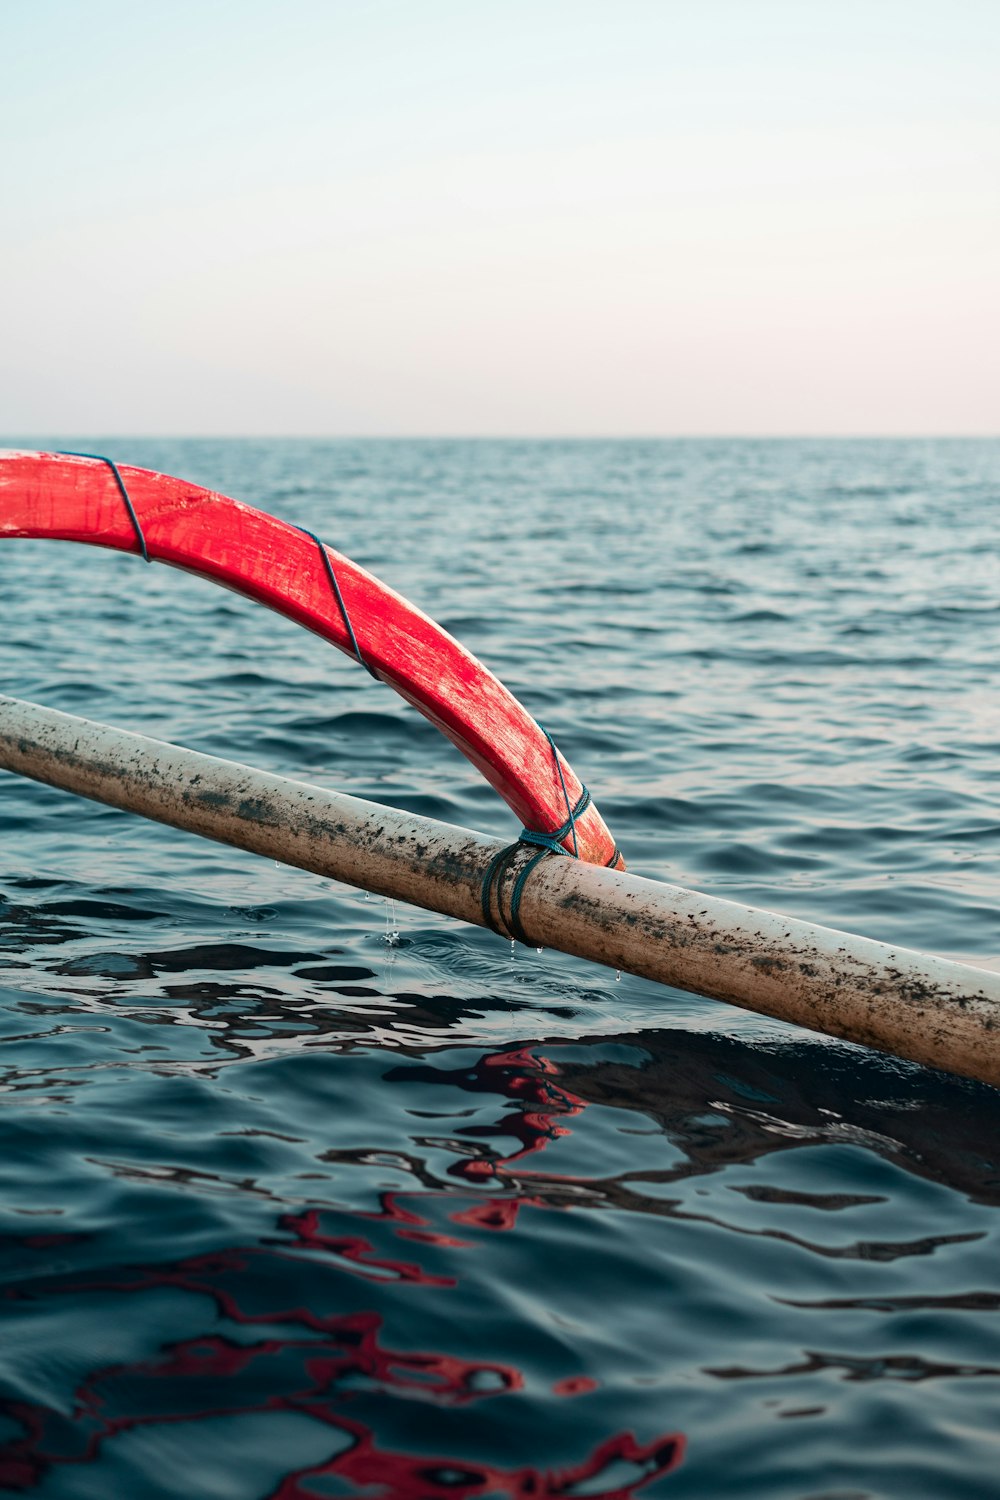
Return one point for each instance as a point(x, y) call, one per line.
point(507, 437)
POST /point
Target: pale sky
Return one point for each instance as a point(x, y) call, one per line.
point(450, 217)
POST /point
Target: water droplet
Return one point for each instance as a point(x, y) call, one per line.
point(512, 950)
point(618, 976)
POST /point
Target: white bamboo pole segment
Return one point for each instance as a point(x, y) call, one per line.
point(929, 1010)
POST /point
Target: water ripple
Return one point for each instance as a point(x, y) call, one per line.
point(299, 1211)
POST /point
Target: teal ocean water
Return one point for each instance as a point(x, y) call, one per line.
point(290, 1211)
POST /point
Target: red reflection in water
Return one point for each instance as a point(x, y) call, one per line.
point(530, 1081)
point(305, 1227)
point(317, 1371)
point(313, 1376)
point(408, 1477)
point(574, 1385)
point(493, 1213)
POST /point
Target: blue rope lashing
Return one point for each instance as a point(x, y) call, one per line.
point(103, 459)
point(553, 842)
point(496, 870)
point(546, 843)
point(573, 812)
point(514, 914)
point(335, 586)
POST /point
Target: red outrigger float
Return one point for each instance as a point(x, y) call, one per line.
point(86, 498)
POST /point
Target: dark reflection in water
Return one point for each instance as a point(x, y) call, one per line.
point(288, 1211)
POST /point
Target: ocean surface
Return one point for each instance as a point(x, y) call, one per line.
point(290, 1209)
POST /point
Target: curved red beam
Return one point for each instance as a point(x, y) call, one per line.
point(78, 499)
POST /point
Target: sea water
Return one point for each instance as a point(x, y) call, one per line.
point(301, 1197)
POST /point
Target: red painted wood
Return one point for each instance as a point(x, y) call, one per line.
point(271, 561)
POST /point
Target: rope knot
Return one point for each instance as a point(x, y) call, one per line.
point(508, 924)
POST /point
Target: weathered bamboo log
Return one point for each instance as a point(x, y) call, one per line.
point(929, 1010)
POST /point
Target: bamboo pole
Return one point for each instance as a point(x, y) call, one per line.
point(929, 1010)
